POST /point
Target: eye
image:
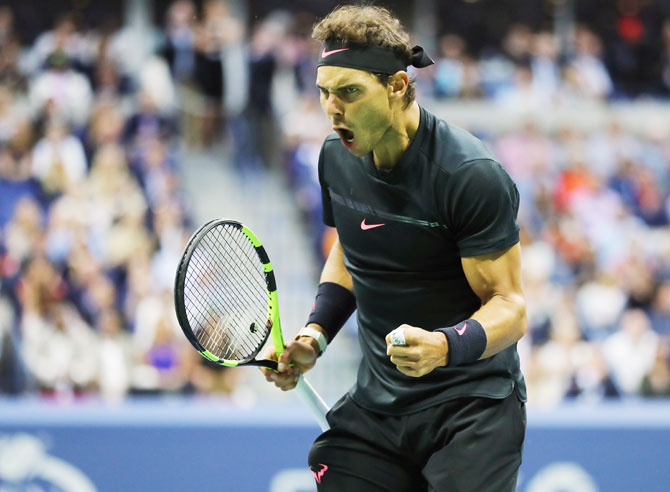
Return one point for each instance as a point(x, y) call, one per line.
point(324, 93)
point(350, 90)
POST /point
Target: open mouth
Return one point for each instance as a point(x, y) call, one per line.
point(345, 135)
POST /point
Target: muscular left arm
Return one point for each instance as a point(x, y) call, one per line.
point(496, 279)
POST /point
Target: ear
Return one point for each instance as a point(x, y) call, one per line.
point(398, 85)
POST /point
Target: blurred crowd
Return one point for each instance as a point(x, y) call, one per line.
point(93, 217)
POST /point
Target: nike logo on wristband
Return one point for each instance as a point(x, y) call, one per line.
point(325, 53)
point(462, 330)
point(366, 227)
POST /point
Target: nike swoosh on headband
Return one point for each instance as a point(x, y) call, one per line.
point(325, 53)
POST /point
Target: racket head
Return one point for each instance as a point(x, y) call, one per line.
point(226, 295)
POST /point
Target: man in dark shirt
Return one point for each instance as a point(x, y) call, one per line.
point(428, 253)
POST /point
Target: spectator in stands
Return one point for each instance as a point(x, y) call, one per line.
point(59, 161)
point(213, 35)
point(24, 234)
point(147, 122)
point(179, 43)
point(56, 342)
point(166, 356)
point(10, 50)
point(10, 113)
point(112, 190)
point(105, 127)
point(586, 72)
point(591, 382)
point(116, 356)
point(544, 65)
point(497, 66)
point(631, 351)
point(60, 92)
point(111, 86)
point(65, 39)
point(16, 182)
point(257, 147)
point(610, 147)
point(552, 365)
point(450, 70)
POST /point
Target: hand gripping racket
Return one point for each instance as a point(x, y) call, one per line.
point(226, 301)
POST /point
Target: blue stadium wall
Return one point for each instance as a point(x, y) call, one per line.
point(176, 445)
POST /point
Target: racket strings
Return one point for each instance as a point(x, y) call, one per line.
point(225, 294)
point(252, 278)
point(235, 345)
point(227, 333)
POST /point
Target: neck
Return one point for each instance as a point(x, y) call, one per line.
point(397, 138)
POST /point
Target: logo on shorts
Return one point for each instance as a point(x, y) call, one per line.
point(318, 474)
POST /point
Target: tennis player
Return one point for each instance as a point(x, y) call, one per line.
point(428, 252)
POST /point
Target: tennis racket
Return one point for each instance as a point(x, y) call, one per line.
point(226, 301)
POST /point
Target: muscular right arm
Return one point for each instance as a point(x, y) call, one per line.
point(335, 271)
point(300, 355)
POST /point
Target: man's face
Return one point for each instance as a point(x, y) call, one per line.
point(357, 105)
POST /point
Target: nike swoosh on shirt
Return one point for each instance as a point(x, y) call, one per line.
point(462, 330)
point(365, 226)
point(325, 53)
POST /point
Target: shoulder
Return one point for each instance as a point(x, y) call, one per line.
point(334, 160)
point(451, 147)
point(332, 143)
point(332, 149)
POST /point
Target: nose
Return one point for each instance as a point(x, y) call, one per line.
point(332, 106)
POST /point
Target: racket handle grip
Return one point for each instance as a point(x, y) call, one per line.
point(314, 402)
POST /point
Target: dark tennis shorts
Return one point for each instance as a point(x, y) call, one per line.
point(469, 444)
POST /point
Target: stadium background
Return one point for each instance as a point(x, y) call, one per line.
point(124, 125)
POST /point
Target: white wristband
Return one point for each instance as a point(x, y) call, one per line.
point(308, 331)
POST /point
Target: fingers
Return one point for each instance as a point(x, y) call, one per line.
point(400, 342)
point(397, 336)
point(292, 362)
point(403, 335)
point(284, 379)
point(411, 371)
point(270, 354)
point(284, 361)
point(406, 359)
point(414, 351)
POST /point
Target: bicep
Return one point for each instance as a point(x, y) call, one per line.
point(495, 274)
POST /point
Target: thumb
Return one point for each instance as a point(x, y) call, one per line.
point(284, 360)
